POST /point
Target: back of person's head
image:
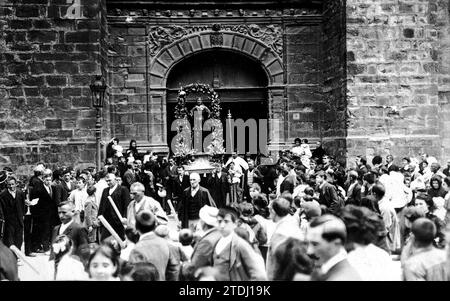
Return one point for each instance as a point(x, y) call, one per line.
point(144, 271)
point(394, 168)
point(227, 210)
point(91, 190)
point(61, 245)
point(413, 213)
point(379, 190)
point(291, 258)
point(131, 234)
point(309, 191)
point(361, 223)
point(377, 160)
point(370, 177)
point(186, 237)
point(333, 227)
point(281, 207)
point(145, 221)
point(424, 231)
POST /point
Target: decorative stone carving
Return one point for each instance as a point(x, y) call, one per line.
point(216, 12)
point(160, 36)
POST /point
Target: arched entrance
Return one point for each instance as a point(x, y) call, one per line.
point(263, 76)
point(240, 82)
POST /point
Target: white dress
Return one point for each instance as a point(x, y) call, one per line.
point(70, 269)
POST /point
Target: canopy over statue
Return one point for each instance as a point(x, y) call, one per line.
point(193, 127)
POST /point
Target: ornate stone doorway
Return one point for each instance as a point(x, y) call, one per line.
point(236, 65)
point(240, 82)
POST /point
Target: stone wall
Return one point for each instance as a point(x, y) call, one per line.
point(47, 62)
point(333, 115)
point(398, 67)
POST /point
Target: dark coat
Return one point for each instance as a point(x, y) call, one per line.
point(79, 237)
point(355, 197)
point(218, 187)
point(183, 206)
point(121, 198)
point(204, 248)
point(60, 192)
point(67, 189)
point(328, 197)
point(8, 264)
point(46, 205)
point(176, 187)
point(13, 211)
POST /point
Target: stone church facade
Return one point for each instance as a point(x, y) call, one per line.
point(364, 77)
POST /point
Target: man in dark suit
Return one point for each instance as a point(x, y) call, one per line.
point(288, 184)
point(43, 213)
point(354, 189)
point(327, 193)
point(326, 238)
point(73, 230)
point(194, 198)
point(204, 247)
point(177, 185)
point(58, 188)
point(121, 197)
point(12, 200)
point(67, 182)
point(218, 186)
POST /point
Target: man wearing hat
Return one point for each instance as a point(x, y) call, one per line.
point(152, 248)
point(194, 198)
point(209, 236)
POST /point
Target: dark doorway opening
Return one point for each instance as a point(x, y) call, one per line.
point(240, 82)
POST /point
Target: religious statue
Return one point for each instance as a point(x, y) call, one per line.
point(200, 107)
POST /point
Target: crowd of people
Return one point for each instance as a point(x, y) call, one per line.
point(305, 217)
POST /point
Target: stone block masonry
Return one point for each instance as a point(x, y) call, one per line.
point(397, 78)
point(48, 62)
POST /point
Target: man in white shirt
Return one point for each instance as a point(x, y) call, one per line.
point(142, 202)
point(326, 237)
point(237, 161)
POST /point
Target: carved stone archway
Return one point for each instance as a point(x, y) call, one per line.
point(169, 45)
